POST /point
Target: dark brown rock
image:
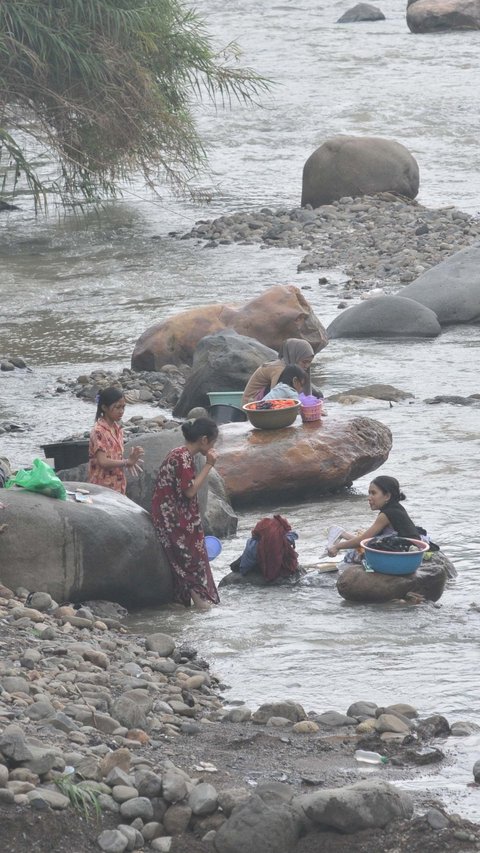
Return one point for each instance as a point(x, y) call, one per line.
point(355, 584)
point(298, 461)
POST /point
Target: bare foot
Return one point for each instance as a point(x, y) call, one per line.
point(199, 602)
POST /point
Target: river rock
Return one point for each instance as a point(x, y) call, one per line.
point(355, 807)
point(386, 317)
point(223, 361)
point(279, 313)
point(476, 771)
point(450, 289)
point(355, 584)
point(346, 166)
point(361, 12)
point(258, 826)
point(304, 459)
point(427, 16)
point(289, 710)
point(377, 390)
point(74, 551)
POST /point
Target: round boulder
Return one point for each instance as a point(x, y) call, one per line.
point(450, 289)
point(224, 361)
point(386, 317)
point(361, 12)
point(355, 584)
point(358, 165)
point(106, 549)
point(429, 16)
point(279, 313)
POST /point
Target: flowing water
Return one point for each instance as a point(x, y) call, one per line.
point(78, 290)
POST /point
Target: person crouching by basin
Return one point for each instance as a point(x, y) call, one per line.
point(293, 351)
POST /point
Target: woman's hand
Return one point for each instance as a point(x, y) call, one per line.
point(133, 461)
point(332, 551)
point(211, 458)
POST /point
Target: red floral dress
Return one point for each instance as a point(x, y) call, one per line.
point(110, 440)
point(176, 519)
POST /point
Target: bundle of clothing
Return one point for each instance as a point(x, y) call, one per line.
point(270, 550)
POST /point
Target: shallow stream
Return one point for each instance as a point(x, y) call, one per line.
point(77, 291)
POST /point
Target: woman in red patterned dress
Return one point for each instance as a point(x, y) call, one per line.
point(176, 515)
point(106, 463)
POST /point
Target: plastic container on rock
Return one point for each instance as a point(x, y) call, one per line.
point(227, 398)
point(223, 414)
point(394, 562)
point(311, 413)
point(272, 418)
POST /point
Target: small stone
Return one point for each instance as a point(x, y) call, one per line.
point(476, 771)
point(333, 719)
point(392, 723)
point(436, 819)
point(203, 799)
point(464, 728)
point(162, 845)
point(138, 807)
point(238, 715)
point(112, 841)
point(177, 818)
point(306, 727)
point(162, 644)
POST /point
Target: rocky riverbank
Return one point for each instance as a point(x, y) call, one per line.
point(115, 742)
point(378, 241)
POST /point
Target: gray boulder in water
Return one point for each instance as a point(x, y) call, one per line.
point(361, 12)
point(386, 317)
point(224, 361)
point(450, 289)
point(429, 16)
point(356, 166)
point(106, 549)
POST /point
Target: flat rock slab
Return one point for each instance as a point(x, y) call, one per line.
point(298, 461)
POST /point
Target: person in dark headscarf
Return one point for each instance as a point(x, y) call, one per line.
point(293, 351)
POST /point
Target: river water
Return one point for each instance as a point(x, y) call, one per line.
point(78, 290)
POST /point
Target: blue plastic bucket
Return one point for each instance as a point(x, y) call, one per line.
point(213, 546)
point(394, 562)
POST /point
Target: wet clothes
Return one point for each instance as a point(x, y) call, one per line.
point(282, 391)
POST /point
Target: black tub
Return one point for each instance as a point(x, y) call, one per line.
point(67, 454)
point(223, 414)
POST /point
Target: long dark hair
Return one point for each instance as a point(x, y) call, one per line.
point(193, 430)
point(390, 486)
point(107, 397)
point(291, 372)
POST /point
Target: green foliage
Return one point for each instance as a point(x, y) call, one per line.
point(108, 87)
point(83, 799)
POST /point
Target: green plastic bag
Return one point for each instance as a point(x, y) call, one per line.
point(41, 478)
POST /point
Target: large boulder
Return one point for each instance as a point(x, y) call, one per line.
point(386, 317)
point(358, 165)
point(361, 12)
point(224, 361)
point(298, 461)
point(217, 514)
point(277, 314)
point(355, 584)
point(428, 16)
point(450, 289)
point(366, 804)
point(106, 549)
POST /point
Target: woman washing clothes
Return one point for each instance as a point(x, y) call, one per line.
point(293, 351)
point(384, 496)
